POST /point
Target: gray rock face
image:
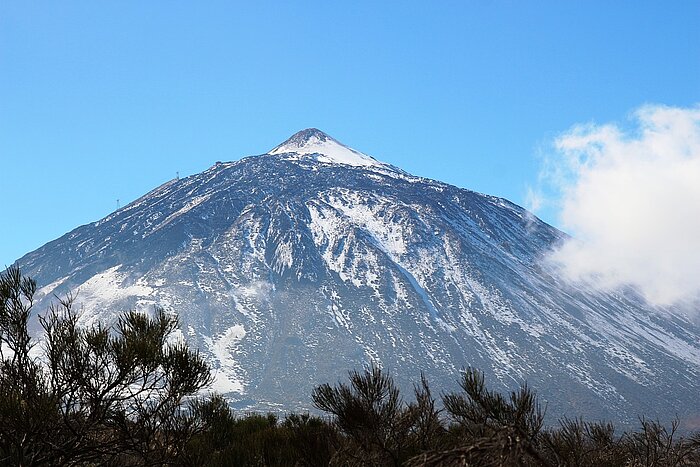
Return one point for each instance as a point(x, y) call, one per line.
point(290, 268)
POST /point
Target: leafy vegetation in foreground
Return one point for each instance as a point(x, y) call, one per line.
point(126, 395)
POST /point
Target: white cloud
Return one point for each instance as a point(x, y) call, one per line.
point(533, 200)
point(631, 200)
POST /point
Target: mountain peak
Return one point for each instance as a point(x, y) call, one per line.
point(325, 148)
point(303, 138)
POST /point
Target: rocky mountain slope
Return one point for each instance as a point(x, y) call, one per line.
point(289, 268)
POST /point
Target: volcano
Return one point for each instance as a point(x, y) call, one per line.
point(290, 268)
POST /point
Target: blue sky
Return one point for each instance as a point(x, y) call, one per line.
point(102, 101)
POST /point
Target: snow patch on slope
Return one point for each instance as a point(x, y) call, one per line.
point(227, 376)
point(375, 218)
point(336, 241)
point(109, 290)
point(49, 289)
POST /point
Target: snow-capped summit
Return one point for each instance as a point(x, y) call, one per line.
point(324, 148)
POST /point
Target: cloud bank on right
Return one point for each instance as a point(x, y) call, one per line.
point(630, 196)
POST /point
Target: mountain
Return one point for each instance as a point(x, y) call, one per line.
point(290, 268)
